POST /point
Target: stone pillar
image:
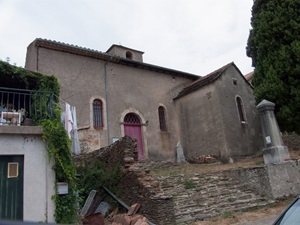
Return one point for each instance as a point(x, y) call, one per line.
point(274, 151)
point(180, 153)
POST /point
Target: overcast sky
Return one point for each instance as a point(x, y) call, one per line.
point(196, 36)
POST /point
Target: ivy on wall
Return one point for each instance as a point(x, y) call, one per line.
point(59, 146)
point(17, 77)
point(54, 135)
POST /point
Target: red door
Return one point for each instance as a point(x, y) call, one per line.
point(132, 128)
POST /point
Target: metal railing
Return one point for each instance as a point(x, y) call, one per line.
point(24, 107)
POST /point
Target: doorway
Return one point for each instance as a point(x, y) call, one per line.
point(11, 187)
point(133, 128)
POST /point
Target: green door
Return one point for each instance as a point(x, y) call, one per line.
point(11, 187)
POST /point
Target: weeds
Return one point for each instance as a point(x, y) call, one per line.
point(227, 214)
point(189, 184)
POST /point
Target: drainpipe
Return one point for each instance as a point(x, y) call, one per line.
point(37, 59)
point(106, 99)
point(46, 209)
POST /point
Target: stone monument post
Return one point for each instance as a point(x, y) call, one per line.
point(274, 151)
point(180, 153)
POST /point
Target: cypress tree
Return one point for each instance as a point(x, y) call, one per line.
point(274, 46)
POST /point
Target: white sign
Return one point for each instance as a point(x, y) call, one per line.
point(268, 140)
point(114, 139)
point(62, 188)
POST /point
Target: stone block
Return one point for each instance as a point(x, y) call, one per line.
point(284, 179)
point(276, 154)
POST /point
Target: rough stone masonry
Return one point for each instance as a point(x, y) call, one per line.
point(137, 185)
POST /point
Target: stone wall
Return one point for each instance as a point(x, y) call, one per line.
point(140, 187)
point(284, 178)
point(198, 196)
point(131, 89)
point(118, 153)
point(273, 181)
point(254, 178)
point(219, 130)
point(137, 185)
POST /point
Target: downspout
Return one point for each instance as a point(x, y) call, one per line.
point(46, 212)
point(37, 59)
point(106, 99)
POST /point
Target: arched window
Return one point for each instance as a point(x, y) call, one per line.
point(97, 114)
point(129, 55)
point(162, 118)
point(240, 107)
point(131, 118)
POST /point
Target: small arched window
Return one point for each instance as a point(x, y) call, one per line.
point(240, 107)
point(162, 118)
point(97, 114)
point(129, 55)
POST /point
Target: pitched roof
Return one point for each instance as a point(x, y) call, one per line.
point(77, 50)
point(249, 76)
point(202, 81)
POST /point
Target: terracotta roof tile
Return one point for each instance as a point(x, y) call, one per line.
point(61, 46)
point(249, 76)
point(202, 81)
point(74, 49)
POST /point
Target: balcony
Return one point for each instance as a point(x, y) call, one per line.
point(20, 107)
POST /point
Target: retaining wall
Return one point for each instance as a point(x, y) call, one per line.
point(273, 181)
point(138, 186)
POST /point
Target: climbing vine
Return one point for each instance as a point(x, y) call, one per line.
point(59, 147)
point(17, 77)
point(54, 134)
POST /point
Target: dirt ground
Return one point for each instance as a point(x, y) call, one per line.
point(191, 168)
point(240, 217)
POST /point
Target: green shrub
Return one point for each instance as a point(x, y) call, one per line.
point(189, 184)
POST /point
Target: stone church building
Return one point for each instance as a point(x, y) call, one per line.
point(115, 94)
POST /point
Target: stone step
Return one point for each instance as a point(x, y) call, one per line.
point(209, 195)
point(183, 206)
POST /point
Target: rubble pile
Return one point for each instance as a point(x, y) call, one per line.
point(129, 218)
point(207, 159)
point(137, 184)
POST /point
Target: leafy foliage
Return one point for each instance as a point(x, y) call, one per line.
point(274, 46)
point(189, 184)
point(66, 207)
point(46, 88)
point(18, 77)
point(54, 134)
point(59, 146)
point(94, 176)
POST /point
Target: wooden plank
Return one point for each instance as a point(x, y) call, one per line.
point(133, 209)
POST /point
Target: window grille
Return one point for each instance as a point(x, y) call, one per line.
point(162, 118)
point(98, 114)
point(131, 118)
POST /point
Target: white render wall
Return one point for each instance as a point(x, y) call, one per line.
point(39, 176)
